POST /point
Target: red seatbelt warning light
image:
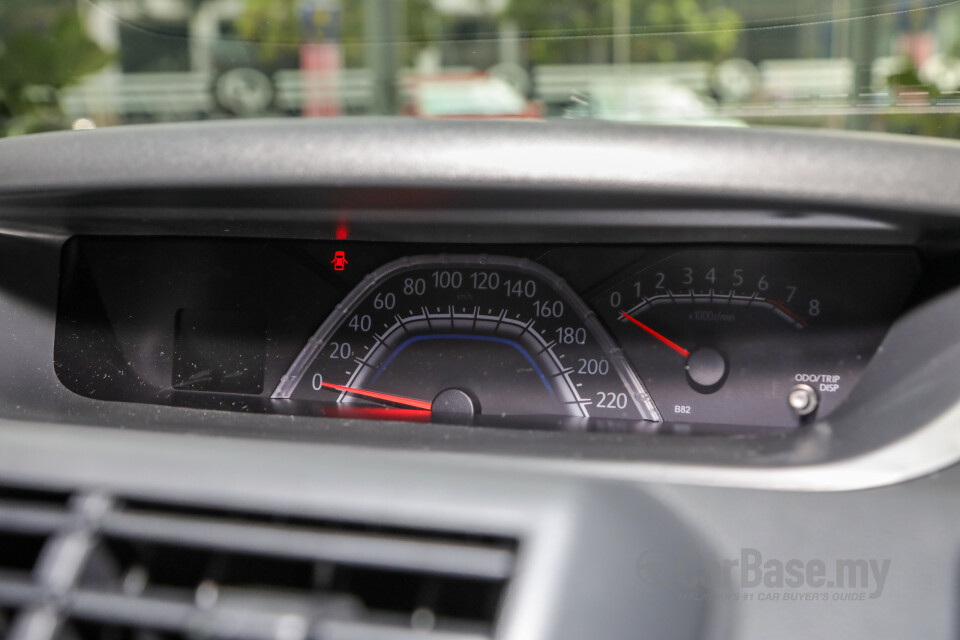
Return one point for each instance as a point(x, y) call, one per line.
point(339, 261)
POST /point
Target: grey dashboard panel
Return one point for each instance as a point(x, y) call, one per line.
point(583, 543)
point(579, 543)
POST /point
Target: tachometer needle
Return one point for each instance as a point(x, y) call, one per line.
point(670, 343)
point(410, 402)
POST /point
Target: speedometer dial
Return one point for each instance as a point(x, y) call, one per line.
point(467, 335)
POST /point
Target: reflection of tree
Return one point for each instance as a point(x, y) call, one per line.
point(275, 25)
point(687, 30)
point(907, 82)
point(43, 48)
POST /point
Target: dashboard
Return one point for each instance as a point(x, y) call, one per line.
point(622, 338)
point(665, 310)
point(463, 380)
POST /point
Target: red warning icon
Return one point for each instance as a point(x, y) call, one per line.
point(339, 261)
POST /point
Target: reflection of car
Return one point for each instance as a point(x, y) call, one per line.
point(654, 102)
point(468, 96)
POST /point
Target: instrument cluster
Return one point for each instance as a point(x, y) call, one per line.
point(568, 337)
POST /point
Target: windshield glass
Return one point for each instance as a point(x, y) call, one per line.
point(845, 64)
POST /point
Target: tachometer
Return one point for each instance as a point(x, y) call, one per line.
point(765, 338)
point(467, 335)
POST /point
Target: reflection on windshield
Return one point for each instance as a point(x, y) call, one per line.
point(856, 64)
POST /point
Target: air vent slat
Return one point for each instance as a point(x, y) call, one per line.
point(30, 519)
point(227, 622)
point(362, 631)
point(174, 617)
point(450, 558)
point(18, 591)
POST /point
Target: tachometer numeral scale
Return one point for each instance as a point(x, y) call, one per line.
point(469, 335)
point(712, 298)
point(733, 337)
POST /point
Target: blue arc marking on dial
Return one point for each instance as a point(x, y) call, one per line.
point(464, 336)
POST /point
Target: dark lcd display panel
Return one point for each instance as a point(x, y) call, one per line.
point(602, 337)
point(219, 350)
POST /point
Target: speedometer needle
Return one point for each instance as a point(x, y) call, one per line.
point(670, 343)
point(410, 402)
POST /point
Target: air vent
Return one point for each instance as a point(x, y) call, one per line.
point(93, 566)
point(29, 521)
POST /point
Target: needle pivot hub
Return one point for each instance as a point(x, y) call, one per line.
point(455, 402)
point(706, 370)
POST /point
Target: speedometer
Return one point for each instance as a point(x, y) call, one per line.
point(467, 336)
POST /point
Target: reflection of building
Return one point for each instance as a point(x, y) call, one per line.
point(162, 35)
point(186, 35)
point(829, 28)
point(170, 55)
point(474, 36)
point(156, 36)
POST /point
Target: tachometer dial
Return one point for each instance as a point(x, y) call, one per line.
point(751, 337)
point(467, 335)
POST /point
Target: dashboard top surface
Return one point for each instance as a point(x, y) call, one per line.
point(848, 169)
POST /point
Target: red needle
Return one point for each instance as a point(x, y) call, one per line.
point(670, 343)
point(410, 402)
